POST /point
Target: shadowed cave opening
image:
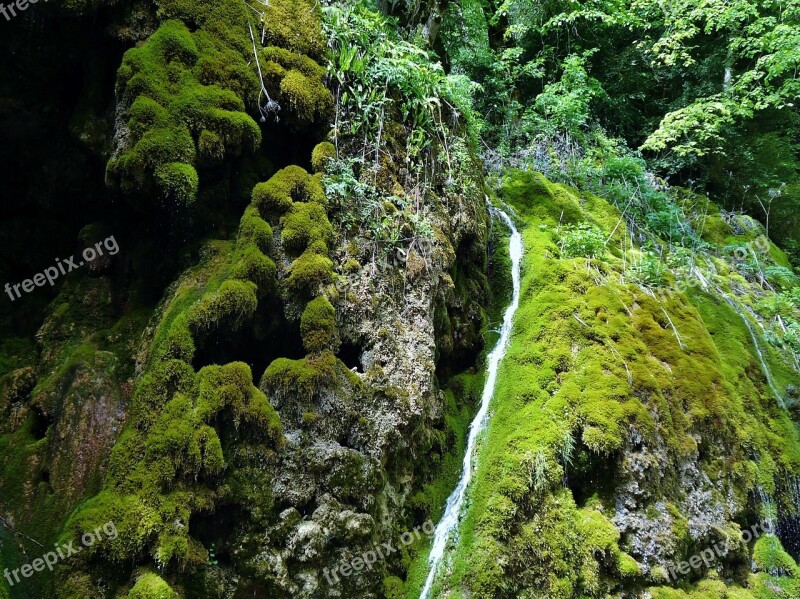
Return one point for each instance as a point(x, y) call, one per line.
point(350, 354)
point(588, 474)
point(40, 425)
point(257, 343)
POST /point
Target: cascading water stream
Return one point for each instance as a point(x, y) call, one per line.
point(452, 512)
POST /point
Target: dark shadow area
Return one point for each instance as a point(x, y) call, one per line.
point(789, 534)
point(587, 474)
point(40, 425)
point(350, 354)
point(286, 144)
point(258, 343)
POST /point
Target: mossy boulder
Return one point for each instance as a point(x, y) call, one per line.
point(295, 26)
point(289, 185)
point(318, 325)
point(232, 304)
point(253, 229)
point(174, 99)
point(151, 586)
point(306, 376)
point(177, 181)
point(304, 224)
point(310, 271)
point(321, 156)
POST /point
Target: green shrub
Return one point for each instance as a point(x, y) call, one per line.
point(583, 240)
point(648, 270)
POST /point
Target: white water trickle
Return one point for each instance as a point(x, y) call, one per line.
point(768, 509)
point(754, 337)
point(452, 512)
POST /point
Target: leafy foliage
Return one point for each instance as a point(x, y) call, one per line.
point(583, 240)
point(378, 75)
point(708, 91)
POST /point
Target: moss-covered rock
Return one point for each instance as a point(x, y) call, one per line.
point(770, 557)
point(318, 325)
point(634, 398)
point(292, 184)
point(151, 586)
point(321, 156)
point(174, 99)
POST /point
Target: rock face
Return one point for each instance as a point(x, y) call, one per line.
point(351, 447)
point(223, 481)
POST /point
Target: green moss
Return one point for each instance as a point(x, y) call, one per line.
point(707, 589)
point(591, 359)
point(770, 557)
point(178, 182)
point(176, 97)
point(309, 271)
point(15, 352)
point(252, 265)
point(304, 376)
point(197, 441)
point(152, 491)
point(305, 99)
point(532, 192)
point(253, 229)
point(294, 26)
point(151, 586)
point(292, 184)
point(232, 304)
point(321, 156)
point(318, 325)
point(70, 359)
point(305, 223)
point(393, 588)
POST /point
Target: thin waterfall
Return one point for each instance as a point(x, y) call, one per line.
point(764, 366)
point(768, 509)
point(452, 514)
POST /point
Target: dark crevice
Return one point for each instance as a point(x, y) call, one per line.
point(588, 474)
point(41, 424)
point(257, 343)
point(350, 355)
point(44, 476)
